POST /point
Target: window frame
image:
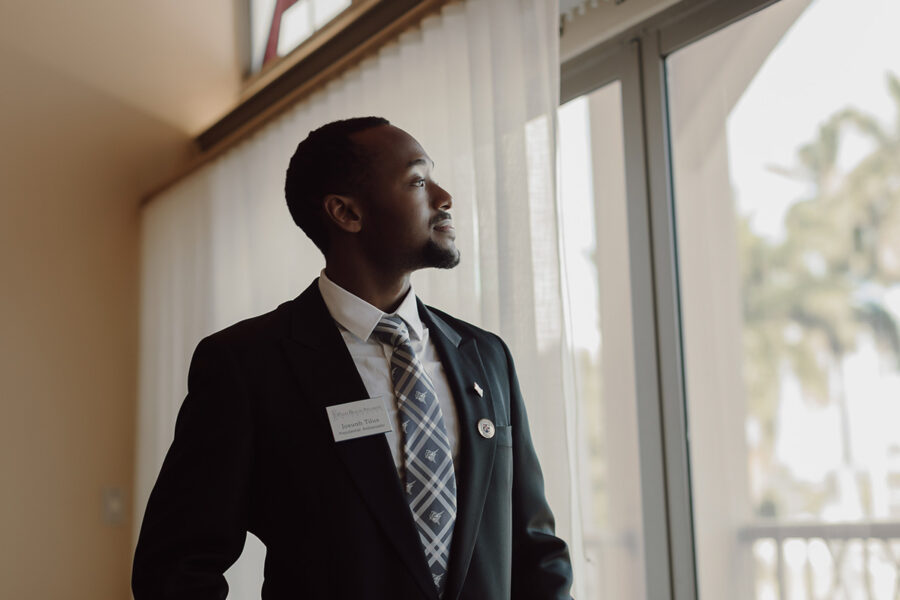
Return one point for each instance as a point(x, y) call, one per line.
point(339, 21)
point(636, 57)
point(351, 36)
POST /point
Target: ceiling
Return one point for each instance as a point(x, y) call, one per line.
point(117, 88)
point(112, 93)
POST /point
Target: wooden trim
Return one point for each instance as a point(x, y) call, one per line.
point(271, 71)
point(359, 32)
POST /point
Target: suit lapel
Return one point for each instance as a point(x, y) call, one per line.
point(463, 366)
point(315, 348)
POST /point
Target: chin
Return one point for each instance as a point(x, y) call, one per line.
point(441, 257)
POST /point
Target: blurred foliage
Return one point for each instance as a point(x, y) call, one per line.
point(810, 295)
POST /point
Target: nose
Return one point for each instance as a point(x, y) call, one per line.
point(442, 198)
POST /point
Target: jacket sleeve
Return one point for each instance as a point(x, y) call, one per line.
point(541, 566)
point(196, 518)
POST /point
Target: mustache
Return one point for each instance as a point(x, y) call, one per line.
point(441, 216)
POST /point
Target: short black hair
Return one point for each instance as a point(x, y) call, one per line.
point(326, 162)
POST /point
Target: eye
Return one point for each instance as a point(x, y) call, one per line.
point(419, 182)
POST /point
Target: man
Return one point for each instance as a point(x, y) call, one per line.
point(379, 448)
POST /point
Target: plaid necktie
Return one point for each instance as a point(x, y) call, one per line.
point(430, 480)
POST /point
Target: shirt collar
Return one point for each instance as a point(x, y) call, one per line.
point(359, 317)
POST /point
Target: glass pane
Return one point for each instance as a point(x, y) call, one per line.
point(261, 14)
point(595, 242)
point(291, 23)
point(785, 132)
point(296, 26)
point(325, 10)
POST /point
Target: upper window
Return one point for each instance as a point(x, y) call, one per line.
point(279, 26)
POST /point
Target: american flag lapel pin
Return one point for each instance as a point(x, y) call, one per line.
point(478, 389)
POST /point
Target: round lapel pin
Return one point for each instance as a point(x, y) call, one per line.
point(486, 428)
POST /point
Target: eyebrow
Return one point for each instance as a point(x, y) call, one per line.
point(420, 161)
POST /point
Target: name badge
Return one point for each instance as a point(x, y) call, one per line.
point(359, 419)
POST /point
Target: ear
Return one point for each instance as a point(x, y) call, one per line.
point(343, 212)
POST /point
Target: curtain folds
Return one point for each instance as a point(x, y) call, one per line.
point(477, 85)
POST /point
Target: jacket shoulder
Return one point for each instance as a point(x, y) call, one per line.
point(251, 334)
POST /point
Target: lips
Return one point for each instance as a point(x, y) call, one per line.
point(444, 225)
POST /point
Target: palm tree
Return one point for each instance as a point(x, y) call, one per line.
point(809, 297)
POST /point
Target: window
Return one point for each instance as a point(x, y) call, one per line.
point(595, 240)
point(787, 195)
point(279, 26)
point(763, 254)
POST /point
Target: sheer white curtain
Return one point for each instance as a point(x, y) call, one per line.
point(477, 86)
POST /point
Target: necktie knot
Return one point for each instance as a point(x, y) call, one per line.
point(392, 330)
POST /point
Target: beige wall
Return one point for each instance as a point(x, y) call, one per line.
point(68, 317)
point(83, 138)
point(68, 311)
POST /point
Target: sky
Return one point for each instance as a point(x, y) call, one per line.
point(835, 56)
point(577, 216)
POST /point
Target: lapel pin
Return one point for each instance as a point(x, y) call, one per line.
point(486, 428)
point(478, 389)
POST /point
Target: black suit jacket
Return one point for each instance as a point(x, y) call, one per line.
point(253, 451)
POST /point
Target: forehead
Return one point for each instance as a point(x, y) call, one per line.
point(390, 147)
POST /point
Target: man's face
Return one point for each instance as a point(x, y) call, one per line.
point(405, 220)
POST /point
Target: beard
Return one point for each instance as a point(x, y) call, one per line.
point(438, 257)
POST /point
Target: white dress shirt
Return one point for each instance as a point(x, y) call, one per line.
point(356, 319)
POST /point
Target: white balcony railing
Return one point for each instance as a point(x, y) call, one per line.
point(825, 560)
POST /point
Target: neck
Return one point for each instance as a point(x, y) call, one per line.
point(383, 290)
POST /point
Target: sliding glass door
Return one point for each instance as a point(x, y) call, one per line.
point(605, 235)
point(785, 147)
point(595, 238)
point(730, 176)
